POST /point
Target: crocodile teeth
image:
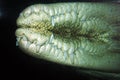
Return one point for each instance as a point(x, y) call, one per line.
point(65, 56)
point(32, 48)
point(65, 47)
point(24, 43)
point(52, 51)
point(51, 38)
point(24, 38)
point(28, 44)
point(48, 47)
point(16, 43)
point(56, 52)
point(37, 48)
point(53, 23)
point(42, 49)
point(41, 41)
point(72, 58)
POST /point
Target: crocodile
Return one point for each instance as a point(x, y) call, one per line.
point(77, 34)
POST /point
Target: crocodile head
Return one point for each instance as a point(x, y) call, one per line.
point(82, 35)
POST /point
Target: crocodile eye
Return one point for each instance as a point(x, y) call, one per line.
point(84, 35)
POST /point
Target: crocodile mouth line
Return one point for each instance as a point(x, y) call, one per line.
point(68, 38)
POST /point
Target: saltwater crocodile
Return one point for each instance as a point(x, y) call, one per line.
point(82, 35)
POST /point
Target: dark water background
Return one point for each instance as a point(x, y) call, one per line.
point(16, 65)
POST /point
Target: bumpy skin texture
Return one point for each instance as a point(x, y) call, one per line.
point(84, 35)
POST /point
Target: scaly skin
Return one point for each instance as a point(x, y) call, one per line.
point(83, 35)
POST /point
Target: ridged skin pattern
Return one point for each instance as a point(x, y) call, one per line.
point(78, 34)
